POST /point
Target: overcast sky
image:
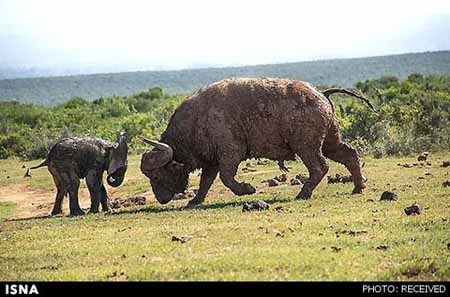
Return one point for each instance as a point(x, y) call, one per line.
point(174, 34)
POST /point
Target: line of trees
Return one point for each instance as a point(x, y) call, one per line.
point(413, 115)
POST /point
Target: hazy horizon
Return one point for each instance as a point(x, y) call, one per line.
point(101, 36)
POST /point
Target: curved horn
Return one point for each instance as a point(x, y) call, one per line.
point(159, 145)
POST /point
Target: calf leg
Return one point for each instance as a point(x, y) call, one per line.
point(346, 155)
point(206, 180)
point(72, 183)
point(94, 184)
point(61, 192)
point(104, 200)
point(317, 167)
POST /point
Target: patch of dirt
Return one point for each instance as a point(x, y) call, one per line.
point(127, 202)
point(416, 271)
point(31, 203)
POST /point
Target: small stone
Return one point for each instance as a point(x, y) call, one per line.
point(413, 210)
point(255, 205)
point(388, 196)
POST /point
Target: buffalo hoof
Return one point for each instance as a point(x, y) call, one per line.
point(193, 204)
point(358, 190)
point(56, 212)
point(303, 195)
point(247, 189)
point(77, 212)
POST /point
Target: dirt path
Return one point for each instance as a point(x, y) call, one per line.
point(35, 203)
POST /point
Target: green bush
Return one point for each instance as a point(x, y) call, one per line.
point(413, 115)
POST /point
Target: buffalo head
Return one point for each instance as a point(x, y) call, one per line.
point(167, 176)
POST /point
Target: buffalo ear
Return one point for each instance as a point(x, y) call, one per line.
point(176, 165)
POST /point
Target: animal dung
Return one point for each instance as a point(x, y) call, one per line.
point(413, 210)
point(280, 209)
point(273, 182)
point(301, 177)
point(389, 196)
point(339, 178)
point(182, 239)
point(446, 183)
point(127, 202)
point(295, 182)
point(281, 178)
point(423, 156)
point(445, 164)
point(255, 205)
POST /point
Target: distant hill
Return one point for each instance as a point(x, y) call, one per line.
point(342, 72)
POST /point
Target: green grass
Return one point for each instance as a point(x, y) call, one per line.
point(6, 209)
point(309, 241)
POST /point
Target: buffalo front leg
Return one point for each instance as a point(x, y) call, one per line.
point(317, 167)
point(346, 155)
point(227, 176)
point(94, 184)
point(206, 180)
point(72, 183)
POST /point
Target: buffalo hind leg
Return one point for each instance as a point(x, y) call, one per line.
point(317, 167)
point(346, 155)
point(227, 174)
point(72, 183)
point(206, 180)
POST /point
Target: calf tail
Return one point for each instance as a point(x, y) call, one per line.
point(44, 163)
point(28, 173)
point(331, 91)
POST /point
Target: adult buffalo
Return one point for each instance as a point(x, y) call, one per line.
point(236, 119)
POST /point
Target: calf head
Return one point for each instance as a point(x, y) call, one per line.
point(167, 176)
point(118, 161)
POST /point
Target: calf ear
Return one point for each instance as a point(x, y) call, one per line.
point(118, 155)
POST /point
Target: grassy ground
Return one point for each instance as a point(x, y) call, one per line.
point(333, 236)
